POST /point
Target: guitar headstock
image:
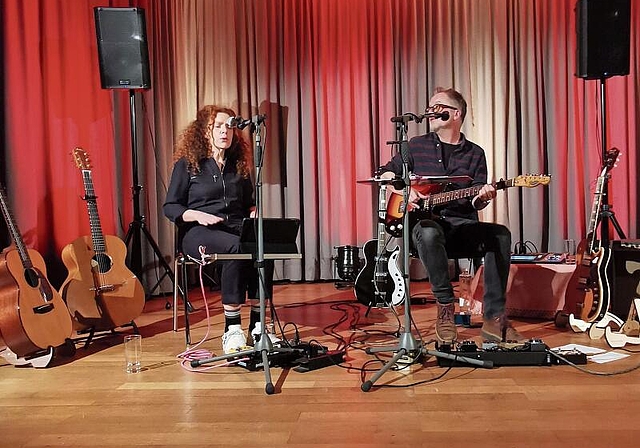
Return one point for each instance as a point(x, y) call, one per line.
point(81, 158)
point(531, 180)
point(611, 158)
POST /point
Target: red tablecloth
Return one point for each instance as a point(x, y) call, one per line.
point(533, 290)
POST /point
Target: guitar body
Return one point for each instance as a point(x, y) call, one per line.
point(100, 291)
point(380, 282)
point(33, 316)
point(589, 290)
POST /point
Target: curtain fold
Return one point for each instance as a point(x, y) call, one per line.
point(329, 74)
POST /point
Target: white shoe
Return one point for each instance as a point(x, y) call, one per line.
point(257, 331)
point(234, 340)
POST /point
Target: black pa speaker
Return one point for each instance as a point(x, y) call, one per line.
point(626, 276)
point(122, 48)
point(603, 28)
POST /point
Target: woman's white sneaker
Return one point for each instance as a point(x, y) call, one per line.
point(234, 340)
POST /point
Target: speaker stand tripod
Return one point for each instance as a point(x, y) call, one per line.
point(137, 227)
point(263, 347)
point(606, 214)
point(407, 343)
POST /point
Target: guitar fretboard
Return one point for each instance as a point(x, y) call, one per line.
point(13, 230)
point(97, 237)
point(454, 195)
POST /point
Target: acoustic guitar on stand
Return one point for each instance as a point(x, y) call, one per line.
point(100, 291)
point(589, 289)
point(396, 208)
point(33, 316)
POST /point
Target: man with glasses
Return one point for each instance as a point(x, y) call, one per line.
point(454, 226)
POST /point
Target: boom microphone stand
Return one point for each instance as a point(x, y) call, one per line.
point(407, 344)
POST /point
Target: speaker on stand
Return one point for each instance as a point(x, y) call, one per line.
point(124, 64)
point(603, 41)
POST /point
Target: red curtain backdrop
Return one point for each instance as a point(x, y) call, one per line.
point(329, 74)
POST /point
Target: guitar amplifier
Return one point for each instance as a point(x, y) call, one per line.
point(626, 276)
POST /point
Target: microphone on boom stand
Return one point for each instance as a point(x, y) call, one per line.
point(408, 116)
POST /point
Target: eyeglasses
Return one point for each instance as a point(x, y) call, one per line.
point(439, 108)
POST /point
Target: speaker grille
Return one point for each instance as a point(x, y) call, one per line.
point(603, 28)
point(122, 48)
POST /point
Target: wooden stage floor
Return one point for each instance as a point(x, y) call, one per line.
point(89, 401)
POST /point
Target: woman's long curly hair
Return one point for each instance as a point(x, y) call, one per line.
point(194, 145)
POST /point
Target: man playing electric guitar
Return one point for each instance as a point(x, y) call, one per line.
point(454, 226)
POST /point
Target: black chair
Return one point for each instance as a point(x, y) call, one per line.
point(181, 266)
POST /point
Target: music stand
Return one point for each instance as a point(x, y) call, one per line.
point(264, 346)
point(407, 343)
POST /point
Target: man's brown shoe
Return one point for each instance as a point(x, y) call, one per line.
point(499, 329)
point(446, 332)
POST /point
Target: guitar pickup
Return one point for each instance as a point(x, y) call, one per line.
point(43, 309)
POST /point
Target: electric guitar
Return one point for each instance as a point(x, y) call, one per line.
point(33, 317)
point(100, 291)
point(396, 207)
point(588, 291)
point(380, 282)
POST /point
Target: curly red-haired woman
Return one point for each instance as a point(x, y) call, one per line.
point(210, 193)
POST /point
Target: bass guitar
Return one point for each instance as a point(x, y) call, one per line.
point(380, 282)
point(33, 317)
point(396, 207)
point(588, 291)
point(100, 291)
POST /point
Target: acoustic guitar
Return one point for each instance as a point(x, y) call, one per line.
point(33, 317)
point(396, 208)
point(589, 289)
point(100, 291)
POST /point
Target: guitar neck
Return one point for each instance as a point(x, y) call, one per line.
point(97, 237)
point(382, 212)
point(13, 230)
point(595, 209)
point(454, 195)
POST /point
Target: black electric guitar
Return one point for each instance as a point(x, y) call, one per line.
point(588, 291)
point(380, 282)
point(396, 208)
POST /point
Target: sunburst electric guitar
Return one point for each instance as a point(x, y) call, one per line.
point(589, 289)
point(396, 208)
point(33, 317)
point(100, 291)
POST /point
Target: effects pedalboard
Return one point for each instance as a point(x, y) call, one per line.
point(302, 357)
point(531, 353)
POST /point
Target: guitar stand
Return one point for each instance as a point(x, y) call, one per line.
point(407, 343)
point(104, 333)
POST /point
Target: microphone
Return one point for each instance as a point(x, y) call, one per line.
point(405, 118)
point(444, 116)
point(408, 116)
point(241, 123)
